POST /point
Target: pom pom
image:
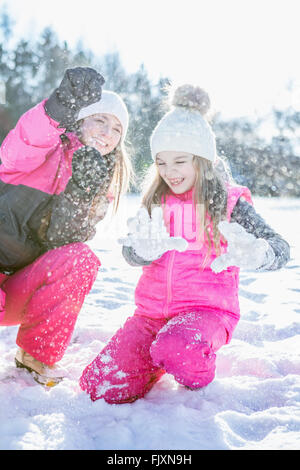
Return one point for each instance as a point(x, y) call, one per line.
point(192, 97)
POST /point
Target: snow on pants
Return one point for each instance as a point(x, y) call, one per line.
point(145, 348)
point(45, 298)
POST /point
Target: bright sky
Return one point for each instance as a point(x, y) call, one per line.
point(244, 52)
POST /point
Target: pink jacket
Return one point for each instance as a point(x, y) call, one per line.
point(33, 154)
point(183, 281)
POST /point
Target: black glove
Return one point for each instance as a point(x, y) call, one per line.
point(80, 87)
point(89, 169)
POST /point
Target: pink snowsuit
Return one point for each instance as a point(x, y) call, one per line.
point(46, 296)
point(185, 313)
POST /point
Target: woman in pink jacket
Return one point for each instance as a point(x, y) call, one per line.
point(60, 167)
point(202, 228)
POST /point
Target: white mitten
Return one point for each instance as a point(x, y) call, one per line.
point(148, 236)
point(244, 249)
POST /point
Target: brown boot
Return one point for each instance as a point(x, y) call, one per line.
point(42, 373)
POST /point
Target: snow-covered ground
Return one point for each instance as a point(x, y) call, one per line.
point(253, 403)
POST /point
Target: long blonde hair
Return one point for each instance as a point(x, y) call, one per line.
point(210, 194)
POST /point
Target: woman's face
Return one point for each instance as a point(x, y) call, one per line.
point(177, 170)
point(101, 131)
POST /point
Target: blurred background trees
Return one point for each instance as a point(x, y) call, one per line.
point(31, 69)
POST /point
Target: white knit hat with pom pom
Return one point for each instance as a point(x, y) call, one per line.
point(184, 128)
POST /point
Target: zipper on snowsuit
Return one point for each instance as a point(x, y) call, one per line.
point(169, 281)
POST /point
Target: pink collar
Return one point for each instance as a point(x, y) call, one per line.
point(187, 196)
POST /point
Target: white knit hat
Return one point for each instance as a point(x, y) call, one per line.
point(184, 128)
point(110, 103)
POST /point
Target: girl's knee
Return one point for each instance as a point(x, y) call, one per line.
point(185, 354)
point(106, 380)
point(192, 365)
point(124, 391)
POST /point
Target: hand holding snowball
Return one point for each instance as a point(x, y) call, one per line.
point(148, 236)
point(244, 249)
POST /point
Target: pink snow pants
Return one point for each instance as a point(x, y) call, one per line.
point(145, 348)
point(45, 298)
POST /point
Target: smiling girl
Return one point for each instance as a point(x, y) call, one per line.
point(186, 299)
point(176, 170)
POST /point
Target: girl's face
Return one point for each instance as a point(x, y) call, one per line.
point(101, 131)
point(177, 170)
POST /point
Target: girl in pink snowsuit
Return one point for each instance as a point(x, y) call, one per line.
point(187, 297)
point(58, 165)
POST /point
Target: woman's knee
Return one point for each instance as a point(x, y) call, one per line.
point(80, 255)
point(75, 262)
